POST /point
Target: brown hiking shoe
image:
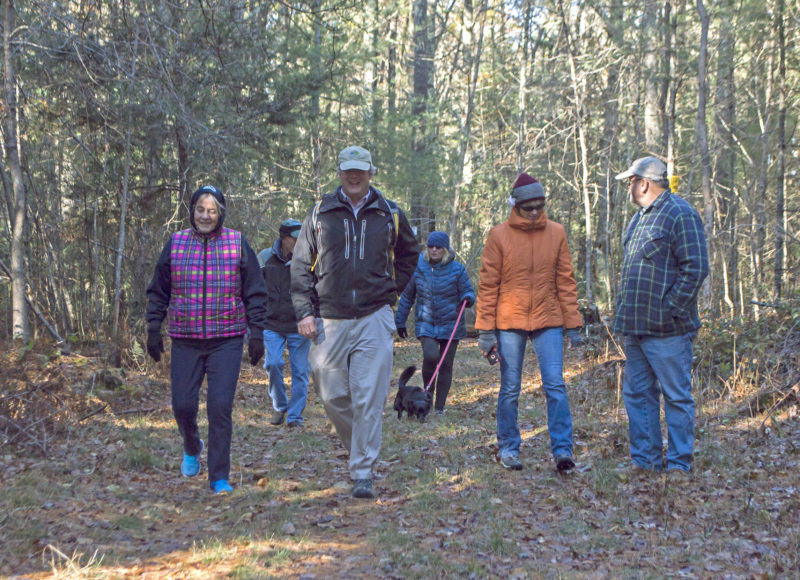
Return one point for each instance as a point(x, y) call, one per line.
point(677, 477)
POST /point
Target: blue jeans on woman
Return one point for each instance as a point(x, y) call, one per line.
point(657, 366)
point(548, 345)
point(274, 343)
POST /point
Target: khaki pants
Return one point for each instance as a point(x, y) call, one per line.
point(351, 362)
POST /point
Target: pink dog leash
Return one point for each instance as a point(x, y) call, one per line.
point(447, 346)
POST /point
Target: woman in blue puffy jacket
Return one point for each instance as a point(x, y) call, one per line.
point(439, 286)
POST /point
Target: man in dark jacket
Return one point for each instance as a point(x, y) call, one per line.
point(281, 330)
point(357, 250)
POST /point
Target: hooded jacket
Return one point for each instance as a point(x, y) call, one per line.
point(437, 291)
point(355, 265)
point(526, 279)
point(277, 276)
point(208, 285)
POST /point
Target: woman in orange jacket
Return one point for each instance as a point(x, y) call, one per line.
point(527, 291)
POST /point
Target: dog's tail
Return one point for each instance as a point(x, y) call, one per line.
point(406, 376)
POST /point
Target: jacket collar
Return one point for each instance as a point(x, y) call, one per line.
point(374, 199)
point(518, 222)
point(446, 259)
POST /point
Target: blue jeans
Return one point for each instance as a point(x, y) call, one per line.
point(657, 366)
point(548, 344)
point(274, 343)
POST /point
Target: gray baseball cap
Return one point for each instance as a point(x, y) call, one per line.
point(647, 167)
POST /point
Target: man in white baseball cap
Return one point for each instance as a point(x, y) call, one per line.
point(665, 262)
point(355, 157)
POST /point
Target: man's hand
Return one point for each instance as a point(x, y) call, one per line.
point(155, 344)
point(486, 340)
point(402, 332)
point(575, 338)
point(255, 347)
point(307, 327)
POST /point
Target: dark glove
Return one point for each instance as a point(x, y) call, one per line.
point(575, 338)
point(486, 340)
point(155, 345)
point(255, 347)
point(402, 332)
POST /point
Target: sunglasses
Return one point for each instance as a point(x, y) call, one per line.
point(435, 248)
point(532, 207)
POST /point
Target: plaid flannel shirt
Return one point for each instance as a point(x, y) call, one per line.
point(665, 263)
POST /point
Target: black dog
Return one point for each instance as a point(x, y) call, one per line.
point(415, 401)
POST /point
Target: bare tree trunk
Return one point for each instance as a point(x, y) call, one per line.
point(724, 168)
point(780, 210)
point(670, 88)
point(652, 112)
point(522, 97)
point(124, 199)
point(701, 135)
point(21, 329)
point(466, 127)
point(421, 215)
point(578, 93)
point(758, 206)
point(316, 159)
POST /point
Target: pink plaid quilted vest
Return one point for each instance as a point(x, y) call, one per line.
point(206, 299)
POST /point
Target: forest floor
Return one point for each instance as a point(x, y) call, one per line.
point(91, 487)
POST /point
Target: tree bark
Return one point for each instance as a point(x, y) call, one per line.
point(21, 329)
point(580, 127)
point(780, 210)
point(466, 126)
point(652, 111)
point(123, 210)
point(701, 135)
point(724, 168)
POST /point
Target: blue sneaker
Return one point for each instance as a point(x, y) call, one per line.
point(221, 487)
point(190, 466)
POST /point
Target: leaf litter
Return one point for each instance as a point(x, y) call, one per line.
point(92, 486)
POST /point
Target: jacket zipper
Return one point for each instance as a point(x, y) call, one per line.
point(205, 285)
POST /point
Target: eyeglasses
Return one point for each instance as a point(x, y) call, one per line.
point(435, 248)
point(532, 207)
point(633, 180)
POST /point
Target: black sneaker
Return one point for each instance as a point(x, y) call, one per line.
point(511, 462)
point(277, 417)
point(564, 463)
point(363, 488)
point(293, 424)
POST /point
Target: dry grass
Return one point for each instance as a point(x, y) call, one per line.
point(107, 500)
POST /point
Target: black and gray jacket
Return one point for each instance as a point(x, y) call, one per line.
point(347, 260)
point(277, 277)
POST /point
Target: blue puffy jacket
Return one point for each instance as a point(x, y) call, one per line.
point(438, 291)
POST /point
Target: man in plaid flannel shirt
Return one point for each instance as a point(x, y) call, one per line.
point(664, 266)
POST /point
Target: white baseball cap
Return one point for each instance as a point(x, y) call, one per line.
point(647, 167)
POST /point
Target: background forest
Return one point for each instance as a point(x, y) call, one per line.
point(115, 111)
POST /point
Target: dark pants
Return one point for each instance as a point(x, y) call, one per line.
point(219, 359)
point(431, 353)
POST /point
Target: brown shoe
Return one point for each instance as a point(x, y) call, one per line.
point(678, 477)
point(277, 417)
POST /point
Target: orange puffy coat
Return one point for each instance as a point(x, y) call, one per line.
point(527, 281)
